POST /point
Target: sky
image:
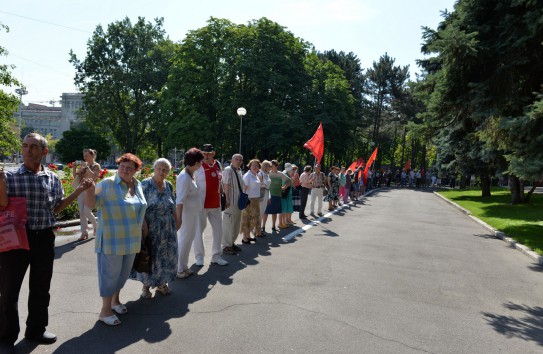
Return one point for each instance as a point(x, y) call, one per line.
point(42, 33)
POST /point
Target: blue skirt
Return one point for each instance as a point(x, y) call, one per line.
point(274, 207)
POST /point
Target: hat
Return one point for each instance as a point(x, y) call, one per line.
point(288, 167)
point(208, 148)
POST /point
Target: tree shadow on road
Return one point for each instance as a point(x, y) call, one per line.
point(526, 325)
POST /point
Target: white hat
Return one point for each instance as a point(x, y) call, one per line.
point(288, 167)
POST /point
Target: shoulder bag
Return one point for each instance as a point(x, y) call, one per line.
point(243, 200)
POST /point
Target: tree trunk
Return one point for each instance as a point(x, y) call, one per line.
point(485, 185)
point(464, 181)
point(529, 194)
point(517, 192)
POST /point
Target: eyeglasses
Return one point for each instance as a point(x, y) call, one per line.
point(127, 168)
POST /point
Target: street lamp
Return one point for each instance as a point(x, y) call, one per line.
point(20, 92)
point(241, 112)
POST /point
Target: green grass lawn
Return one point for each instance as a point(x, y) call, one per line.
point(523, 223)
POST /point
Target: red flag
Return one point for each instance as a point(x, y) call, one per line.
point(370, 162)
point(316, 144)
point(356, 164)
point(407, 166)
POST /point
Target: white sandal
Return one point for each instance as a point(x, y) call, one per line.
point(112, 320)
point(120, 309)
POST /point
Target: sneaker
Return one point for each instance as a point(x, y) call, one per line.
point(164, 289)
point(236, 248)
point(220, 262)
point(228, 250)
point(199, 263)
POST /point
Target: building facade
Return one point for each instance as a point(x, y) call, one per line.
point(52, 120)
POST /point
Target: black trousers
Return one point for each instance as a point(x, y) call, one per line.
point(13, 266)
point(304, 193)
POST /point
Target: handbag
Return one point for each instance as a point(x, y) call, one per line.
point(243, 199)
point(142, 261)
point(12, 225)
point(223, 201)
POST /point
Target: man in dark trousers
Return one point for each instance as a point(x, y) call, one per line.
point(44, 197)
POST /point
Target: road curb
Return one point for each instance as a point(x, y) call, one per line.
point(497, 233)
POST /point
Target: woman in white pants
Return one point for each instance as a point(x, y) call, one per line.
point(88, 168)
point(189, 207)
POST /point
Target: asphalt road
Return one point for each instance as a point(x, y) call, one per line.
point(399, 272)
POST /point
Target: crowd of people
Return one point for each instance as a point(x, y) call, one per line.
point(133, 215)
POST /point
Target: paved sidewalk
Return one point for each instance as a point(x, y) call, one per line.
point(398, 272)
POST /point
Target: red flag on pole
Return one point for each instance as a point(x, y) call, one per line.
point(407, 166)
point(370, 162)
point(359, 162)
point(316, 144)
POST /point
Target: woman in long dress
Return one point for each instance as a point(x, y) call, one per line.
point(162, 226)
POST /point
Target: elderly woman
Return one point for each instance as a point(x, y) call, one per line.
point(279, 181)
point(121, 210)
point(162, 226)
point(250, 217)
point(265, 182)
point(295, 192)
point(189, 207)
point(88, 168)
point(286, 199)
point(332, 182)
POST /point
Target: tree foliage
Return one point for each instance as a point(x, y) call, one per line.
point(9, 142)
point(70, 147)
point(122, 76)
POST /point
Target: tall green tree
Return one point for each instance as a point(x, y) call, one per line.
point(482, 79)
point(122, 76)
point(9, 142)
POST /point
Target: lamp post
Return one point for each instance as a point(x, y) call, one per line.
point(241, 112)
point(20, 92)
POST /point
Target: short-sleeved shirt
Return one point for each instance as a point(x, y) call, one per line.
point(121, 218)
point(277, 180)
point(43, 191)
point(208, 178)
point(304, 180)
point(229, 178)
point(253, 183)
point(188, 193)
point(317, 179)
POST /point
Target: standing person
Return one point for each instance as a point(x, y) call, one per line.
point(250, 217)
point(44, 197)
point(162, 225)
point(356, 188)
point(348, 184)
point(89, 168)
point(189, 208)
point(264, 192)
point(231, 221)
point(305, 185)
point(332, 183)
point(317, 180)
point(342, 181)
point(288, 202)
point(208, 178)
point(277, 184)
point(121, 211)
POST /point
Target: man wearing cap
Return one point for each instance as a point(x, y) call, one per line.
point(208, 179)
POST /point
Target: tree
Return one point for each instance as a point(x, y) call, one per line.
point(124, 71)
point(70, 147)
point(9, 142)
point(482, 83)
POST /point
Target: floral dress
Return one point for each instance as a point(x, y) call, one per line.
point(333, 193)
point(162, 234)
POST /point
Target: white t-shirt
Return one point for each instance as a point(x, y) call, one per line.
point(253, 183)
